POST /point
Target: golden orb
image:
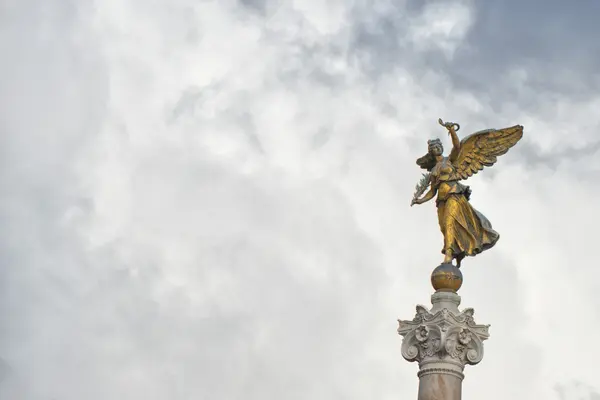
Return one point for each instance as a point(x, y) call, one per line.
point(446, 277)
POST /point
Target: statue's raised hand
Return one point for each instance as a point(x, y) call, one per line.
point(451, 126)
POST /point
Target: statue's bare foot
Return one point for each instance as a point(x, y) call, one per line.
point(448, 257)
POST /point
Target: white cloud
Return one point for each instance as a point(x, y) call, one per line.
point(441, 26)
point(202, 203)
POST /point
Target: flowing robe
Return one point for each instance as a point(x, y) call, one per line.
point(466, 231)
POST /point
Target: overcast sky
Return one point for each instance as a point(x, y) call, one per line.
point(210, 199)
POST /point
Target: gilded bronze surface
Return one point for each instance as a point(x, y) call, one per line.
point(466, 231)
point(446, 277)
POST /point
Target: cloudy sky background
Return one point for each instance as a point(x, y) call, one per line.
point(210, 199)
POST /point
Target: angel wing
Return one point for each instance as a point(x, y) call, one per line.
point(482, 148)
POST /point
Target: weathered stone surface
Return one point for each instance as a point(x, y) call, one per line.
point(439, 386)
point(442, 340)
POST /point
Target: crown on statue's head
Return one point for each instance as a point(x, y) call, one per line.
point(434, 142)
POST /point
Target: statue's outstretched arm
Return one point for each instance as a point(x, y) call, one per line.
point(428, 196)
point(452, 129)
point(455, 140)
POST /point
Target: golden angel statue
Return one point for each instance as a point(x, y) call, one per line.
point(466, 231)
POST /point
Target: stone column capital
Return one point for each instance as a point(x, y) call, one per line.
point(443, 339)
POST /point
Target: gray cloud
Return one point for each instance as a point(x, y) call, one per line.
point(530, 154)
point(555, 46)
point(211, 199)
point(576, 390)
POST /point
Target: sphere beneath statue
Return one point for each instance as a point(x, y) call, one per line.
point(446, 277)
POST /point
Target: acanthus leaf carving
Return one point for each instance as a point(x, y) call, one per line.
point(443, 335)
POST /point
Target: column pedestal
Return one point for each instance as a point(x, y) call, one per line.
point(442, 340)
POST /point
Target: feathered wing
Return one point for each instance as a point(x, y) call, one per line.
point(481, 149)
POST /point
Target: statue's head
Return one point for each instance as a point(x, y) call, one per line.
point(435, 148)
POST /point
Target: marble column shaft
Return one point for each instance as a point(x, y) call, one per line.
point(442, 340)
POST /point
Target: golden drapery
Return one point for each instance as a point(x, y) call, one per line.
point(466, 231)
